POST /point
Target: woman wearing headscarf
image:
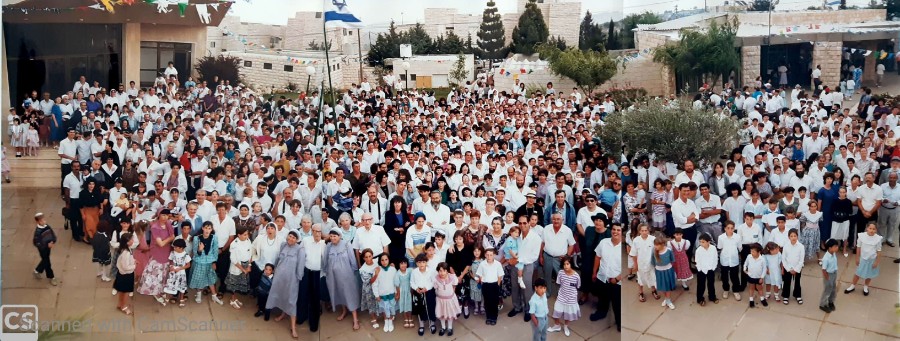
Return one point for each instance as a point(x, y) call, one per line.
point(286, 284)
point(245, 221)
point(91, 201)
point(340, 269)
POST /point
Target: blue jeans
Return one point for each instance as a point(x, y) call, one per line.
point(539, 333)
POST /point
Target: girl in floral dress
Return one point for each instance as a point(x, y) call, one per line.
point(809, 232)
point(474, 286)
point(658, 201)
point(154, 276)
point(179, 260)
point(679, 247)
point(32, 140)
point(367, 274)
point(446, 304)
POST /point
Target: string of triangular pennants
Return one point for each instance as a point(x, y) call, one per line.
point(162, 7)
point(877, 54)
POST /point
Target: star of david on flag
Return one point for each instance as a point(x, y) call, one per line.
point(338, 14)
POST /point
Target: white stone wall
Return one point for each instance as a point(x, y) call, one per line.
point(750, 58)
point(828, 55)
point(263, 80)
point(258, 34)
point(436, 67)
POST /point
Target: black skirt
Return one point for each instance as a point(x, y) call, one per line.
point(124, 283)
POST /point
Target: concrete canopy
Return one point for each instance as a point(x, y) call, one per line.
point(139, 12)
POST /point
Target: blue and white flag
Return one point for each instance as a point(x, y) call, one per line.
point(337, 14)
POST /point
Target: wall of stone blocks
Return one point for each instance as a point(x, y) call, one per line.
point(642, 72)
point(263, 80)
point(813, 17)
point(828, 55)
point(750, 59)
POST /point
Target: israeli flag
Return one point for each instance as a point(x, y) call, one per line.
point(337, 14)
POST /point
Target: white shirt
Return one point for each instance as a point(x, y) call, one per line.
point(67, 147)
point(780, 238)
point(707, 258)
point(426, 280)
point(223, 229)
point(750, 234)
point(792, 256)
point(713, 203)
point(265, 250)
point(529, 247)
point(643, 250)
point(730, 249)
point(755, 267)
point(314, 253)
point(681, 210)
point(869, 195)
point(610, 260)
point(488, 272)
point(373, 238)
point(683, 178)
point(556, 243)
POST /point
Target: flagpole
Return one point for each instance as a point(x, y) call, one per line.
point(328, 65)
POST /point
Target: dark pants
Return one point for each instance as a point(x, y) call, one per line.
point(75, 222)
point(730, 278)
point(607, 294)
point(261, 304)
point(706, 281)
point(491, 294)
point(861, 223)
point(745, 251)
point(308, 304)
point(64, 170)
point(430, 301)
point(788, 278)
point(853, 228)
point(44, 266)
point(690, 234)
point(255, 276)
point(222, 265)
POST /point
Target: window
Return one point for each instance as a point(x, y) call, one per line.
point(212, 44)
point(412, 77)
point(288, 68)
point(318, 15)
point(248, 63)
point(267, 66)
point(155, 57)
point(449, 29)
point(350, 33)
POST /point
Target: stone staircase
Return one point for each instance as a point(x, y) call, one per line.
point(41, 171)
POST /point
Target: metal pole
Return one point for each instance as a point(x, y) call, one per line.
point(359, 45)
point(308, 77)
point(407, 80)
point(327, 64)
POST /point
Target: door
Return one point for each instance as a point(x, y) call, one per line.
point(423, 82)
point(182, 61)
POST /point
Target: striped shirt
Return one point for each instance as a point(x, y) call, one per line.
point(568, 287)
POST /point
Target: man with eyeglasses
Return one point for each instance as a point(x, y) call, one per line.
point(370, 236)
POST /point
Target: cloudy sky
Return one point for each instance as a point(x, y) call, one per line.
point(382, 11)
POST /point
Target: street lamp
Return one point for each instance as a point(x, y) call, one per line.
point(406, 67)
point(310, 71)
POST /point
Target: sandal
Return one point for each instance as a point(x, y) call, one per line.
point(642, 298)
point(126, 310)
point(655, 295)
point(374, 324)
point(785, 301)
point(799, 300)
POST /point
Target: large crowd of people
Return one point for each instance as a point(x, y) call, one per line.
point(397, 203)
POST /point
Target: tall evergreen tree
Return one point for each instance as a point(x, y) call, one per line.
point(531, 30)
point(590, 35)
point(470, 47)
point(612, 43)
point(626, 34)
point(387, 45)
point(418, 38)
point(491, 34)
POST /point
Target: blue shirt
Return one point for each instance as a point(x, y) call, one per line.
point(829, 263)
point(538, 305)
point(511, 245)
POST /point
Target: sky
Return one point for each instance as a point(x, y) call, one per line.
point(380, 12)
point(640, 6)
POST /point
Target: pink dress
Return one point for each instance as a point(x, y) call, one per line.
point(153, 279)
point(682, 266)
point(446, 305)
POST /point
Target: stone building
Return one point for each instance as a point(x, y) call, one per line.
point(799, 40)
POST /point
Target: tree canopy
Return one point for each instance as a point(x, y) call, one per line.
point(710, 54)
point(671, 132)
point(491, 34)
point(626, 36)
point(589, 69)
point(590, 35)
point(761, 5)
point(531, 30)
point(387, 45)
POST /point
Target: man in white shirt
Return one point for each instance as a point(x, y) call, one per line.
point(369, 236)
point(224, 228)
point(710, 212)
point(374, 204)
point(530, 247)
point(889, 213)
point(608, 272)
point(688, 175)
point(686, 214)
point(870, 198)
point(437, 215)
point(558, 242)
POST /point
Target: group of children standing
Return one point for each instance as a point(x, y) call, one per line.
point(766, 266)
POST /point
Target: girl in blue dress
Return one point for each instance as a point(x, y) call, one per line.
point(404, 301)
point(665, 272)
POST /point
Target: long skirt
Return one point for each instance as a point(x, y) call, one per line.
point(202, 276)
point(810, 240)
point(153, 280)
point(91, 218)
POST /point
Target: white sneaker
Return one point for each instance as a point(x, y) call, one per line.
point(115, 292)
point(391, 324)
point(737, 296)
point(161, 300)
point(554, 329)
point(387, 326)
point(846, 255)
point(199, 298)
point(725, 296)
point(671, 306)
point(566, 331)
point(521, 283)
point(663, 304)
point(105, 279)
point(217, 300)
